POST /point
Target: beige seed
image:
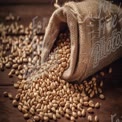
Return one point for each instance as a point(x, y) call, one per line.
point(83, 112)
point(85, 104)
point(67, 115)
point(101, 96)
point(10, 74)
point(54, 117)
point(19, 108)
point(50, 115)
point(100, 90)
point(89, 118)
point(74, 114)
point(72, 118)
point(97, 105)
point(24, 110)
point(15, 66)
point(64, 64)
point(58, 115)
point(20, 77)
point(5, 94)
point(8, 65)
point(96, 119)
point(86, 98)
point(36, 118)
point(110, 70)
point(25, 60)
point(16, 85)
point(17, 97)
point(15, 103)
point(90, 110)
point(101, 84)
point(79, 113)
point(94, 79)
point(91, 104)
point(68, 111)
point(10, 96)
point(32, 111)
point(92, 94)
point(26, 116)
point(102, 73)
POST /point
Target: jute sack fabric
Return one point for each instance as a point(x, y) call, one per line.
point(95, 28)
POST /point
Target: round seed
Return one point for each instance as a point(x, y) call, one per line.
point(89, 118)
point(102, 96)
point(97, 105)
point(26, 116)
point(72, 118)
point(5, 94)
point(16, 85)
point(15, 103)
point(96, 119)
point(83, 113)
point(36, 118)
point(10, 96)
point(90, 110)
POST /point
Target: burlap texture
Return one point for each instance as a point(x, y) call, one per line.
point(88, 22)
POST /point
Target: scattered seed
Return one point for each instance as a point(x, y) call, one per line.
point(102, 96)
point(26, 116)
point(90, 110)
point(5, 94)
point(10, 96)
point(96, 119)
point(89, 118)
point(97, 105)
point(15, 103)
point(110, 70)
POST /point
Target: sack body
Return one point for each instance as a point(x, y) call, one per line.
point(95, 33)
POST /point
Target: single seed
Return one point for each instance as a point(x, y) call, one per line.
point(54, 117)
point(102, 96)
point(5, 94)
point(89, 118)
point(102, 73)
point(36, 118)
point(15, 66)
point(26, 116)
point(83, 113)
point(8, 65)
point(96, 119)
point(85, 104)
point(79, 113)
point(19, 108)
point(110, 70)
point(97, 105)
point(101, 84)
point(90, 110)
point(74, 114)
point(67, 115)
point(16, 85)
point(86, 98)
point(72, 118)
point(10, 96)
point(15, 103)
point(100, 90)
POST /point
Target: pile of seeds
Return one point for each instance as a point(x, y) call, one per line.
point(41, 92)
point(19, 53)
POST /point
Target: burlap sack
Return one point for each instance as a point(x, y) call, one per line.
point(95, 34)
